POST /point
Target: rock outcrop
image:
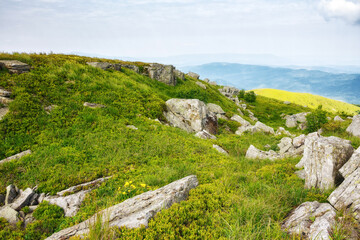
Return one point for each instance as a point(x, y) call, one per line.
point(229, 91)
point(162, 73)
point(296, 120)
point(311, 220)
point(247, 127)
point(105, 65)
point(190, 115)
point(323, 157)
point(179, 74)
point(14, 66)
point(193, 75)
point(137, 211)
point(131, 67)
point(23, 199)
point(354, 127)
point(16, 156)
point(216, 109)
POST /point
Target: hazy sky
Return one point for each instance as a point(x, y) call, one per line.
point(325, 30)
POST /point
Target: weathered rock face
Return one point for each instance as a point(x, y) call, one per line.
point(105, 65)
point(220, 149)
point(323, 157)
point(193, 75)
point(295, 120)
point(23, 199)
point(311, 220)
point(162, 73)
point(136, 211)
point(15, 157)
point(190, 115)
point(347, 195)
point(229, 91)
point(307, 141)
point(216, 109)
point(179, 74)
point(14, 66)
point(240, 120)
point(84, 186)
point(204, 135)
point(354, 127)
point(11, 193)
point(93, 105)
point(251, 115)
point(9, 214)
point(282, 131)
point(201, 85)
point(131, 67)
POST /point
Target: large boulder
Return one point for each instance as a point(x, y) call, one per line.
point(240, 120)
point(311, 220)
point(16, 156)
point(296, 119)
point(323, 157)
point(260, 127)
point(14, 66)
point(216, 109)
point(9, 214)
point(193, 75)
point(163, 73)
point(200, 84)
point(105, 65)
point(190, 115)
point(354, 127)
point(137, 211)
point(306, 141)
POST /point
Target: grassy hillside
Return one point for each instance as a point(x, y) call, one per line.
point(237, 198)
point(310, 100)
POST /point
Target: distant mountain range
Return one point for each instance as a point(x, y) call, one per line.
point(339, 86)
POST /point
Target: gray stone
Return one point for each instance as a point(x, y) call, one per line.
point(193, 75)
point(354, 127)
point(323, 157)
point(338, 118)
point(285, 144)
point(351, 165)
point(4, 93)
point(29, 218)
point(254, 153)
point(11, 193)
point(23, 199)
point(3, 112)
point(301, 174)
point(105, 65)
point(299, 140)
point(282, 131)
point(240, 120)
point(93, 105)
point(131, 67)
point(311, 220)
point(211, 107)
point(261, 127)
point(190, 115)
point(213, 83)
point(206, 80)
point(41, 197)
point(201, 85)
point(307, 151)
point(294, 120)
point(229, 91)
point(50, 108)
point(14, 66)
point(34, 200)
point(84, 186)
point(204, 135)
point(240, 112)
point(9, 214)
point(5, 101)
point(287, 102)
point(132, 127)
point(220, 149)
point(16, 156)
point(137, 211)
point(163, 73)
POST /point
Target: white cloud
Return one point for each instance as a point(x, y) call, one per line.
point(348, 10)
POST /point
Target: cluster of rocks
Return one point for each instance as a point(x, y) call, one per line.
point(247, 127)
point(296, 120)
point(134, 212)
point(105, 65)
point(231, 93)
point(14, 66)
point(354, 128)
point(69, 199)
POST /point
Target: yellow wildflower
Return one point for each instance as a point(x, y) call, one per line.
point(126, 184)
point(124, 193)
point(133, 186)
point(143, 185)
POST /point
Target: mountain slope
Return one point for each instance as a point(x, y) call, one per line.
point(344, 87)
point(310, 100)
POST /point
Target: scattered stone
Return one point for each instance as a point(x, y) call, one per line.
point(323, 157)
point(240, 120)
point(254, 153)
point(282, 131)
point(11, 193)
point(240, 112)
point(190, 115)
point(261, 127)
point(28, 219)
point(216, 109)
point(84, 186)
point(163, 73)
point(287, 102)
point(354, 127)
point(243, 106)
point(3, 112)
point(338, 118)
point(267, 146)
point(229, 91)
point(50, 108)
point(193, 75)
point(105, 65)
point(14, 66)
point(137, 211)
point(23, 199)
point(93, 105)
point(206, 80)
point(285, 144)
point(351, 165)
point(213, 83)
point(311, 220)
point(16, 156)
point(179, 74)
point(201, 85)
point(4, 93)
point(328, 118)
point(220, 149)
point(9, 214)
point(349, 117)
point(41, 197)
point(204, 135)
point(307, 142)
point(5, 101)
point(132, 127)
point(296, 119)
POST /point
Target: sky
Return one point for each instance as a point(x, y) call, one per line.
point(312, 32)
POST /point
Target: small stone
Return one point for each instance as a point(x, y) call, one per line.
point(220, 149)
point(287, 102)
point(9, 214)
point(4, 93)
point(338, 118)
point(193, 75)
point(201, 85)
point(132, 127)
point(93, 105)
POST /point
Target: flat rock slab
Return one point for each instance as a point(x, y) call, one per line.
point(17, 156)
point(9, 214)
point(14, 66)
point(137, 211)
point(311, 220)
point(84, 186)
point(23, 199)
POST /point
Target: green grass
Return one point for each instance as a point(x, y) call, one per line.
point(237, 198)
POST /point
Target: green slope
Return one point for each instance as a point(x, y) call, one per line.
point(237, 198)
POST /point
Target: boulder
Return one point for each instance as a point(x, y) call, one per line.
point(3, 112)
point(201, 85)
point(190, 115)
point(179, 74)
point(240, 120)
point(213, 83)
point(307, 151)
point(294, 120)
point(4, 93)
point(254, 153)
point(261, 127)
point(16, 156)
point(137, 211)
point(14, 66)
point(311, 220)
point(282, 131)
point(5, 101)
point(229, 91)
point(351, 165)
point(29, 218)
point(50, 108)
point(220, 149)
point(131, 67)
point(285, 144)
point(211, 107)
point(299, 140)
point(204, 135)
point(23, 199)
point(93, 105)
point(9, 214)
point(287, 102)
point(323, 157)
point(338, 118)
point(193, 75)
point(105, 65)
point(11, 193)
point(354, 127)
point(163, 73)
point(206, 80)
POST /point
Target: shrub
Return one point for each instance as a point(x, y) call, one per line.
point(250, 96)
point(316, 119)
point(241, 94)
